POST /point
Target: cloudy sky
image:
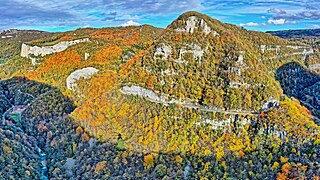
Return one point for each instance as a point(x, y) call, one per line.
point(62, 15)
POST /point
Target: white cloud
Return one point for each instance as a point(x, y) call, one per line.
point(277, 11)
point(315, 26)
point(250, 24)
point(291, 22)
point(130, 23)
point(277, 21)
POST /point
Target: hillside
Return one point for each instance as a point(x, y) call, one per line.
point(199, 98)
point(11, 40)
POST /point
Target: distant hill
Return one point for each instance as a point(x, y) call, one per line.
point(296, 33)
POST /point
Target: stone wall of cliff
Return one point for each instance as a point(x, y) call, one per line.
point(29, 51)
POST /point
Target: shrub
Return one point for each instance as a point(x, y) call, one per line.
point(148, 161)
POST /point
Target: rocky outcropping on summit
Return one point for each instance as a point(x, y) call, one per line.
point(194, 22)
point(28, 50)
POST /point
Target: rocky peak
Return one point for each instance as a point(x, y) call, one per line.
point(191, 22)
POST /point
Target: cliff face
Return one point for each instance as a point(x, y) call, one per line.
point(85, 73)
point(193, 22)
point(27, 50)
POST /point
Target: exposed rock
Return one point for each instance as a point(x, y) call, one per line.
point(263, 48)
point(217, 124)
point(29, 51)
point(194, 49)
point(240, 57)
point(236, 70)
point(4, 37)
point(34, 60)
point(166, 100)
point(168, 72)
point(85, 73)
point(194, 22)
point(140, 91)
point(305, 52)
point(163, 51)
point(237, 85)
point(86, 56)
point(276, 48)
point(297, 47)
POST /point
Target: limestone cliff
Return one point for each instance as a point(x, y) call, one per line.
point(85, 73)
point(28, 51)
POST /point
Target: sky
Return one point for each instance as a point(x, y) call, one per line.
point(63, 15)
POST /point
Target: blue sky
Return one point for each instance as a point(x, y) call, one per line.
point(62, 15)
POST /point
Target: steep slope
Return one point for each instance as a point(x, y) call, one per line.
point(213, 64)
point(302, 84)
point(198, 72)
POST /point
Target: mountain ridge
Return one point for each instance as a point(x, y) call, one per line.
point(296, 33)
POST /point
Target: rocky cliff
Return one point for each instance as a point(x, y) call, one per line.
point(85, 73)
point(29, 51)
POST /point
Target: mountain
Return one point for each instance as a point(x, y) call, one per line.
point(199, 98)
point(296, 33)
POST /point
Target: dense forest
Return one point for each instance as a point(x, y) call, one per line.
point(209, 101)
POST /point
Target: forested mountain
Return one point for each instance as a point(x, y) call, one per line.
point(198, 99)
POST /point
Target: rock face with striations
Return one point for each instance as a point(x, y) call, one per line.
point(163, 51)
point(193, 23)
point(85, 73)
point(27, 50)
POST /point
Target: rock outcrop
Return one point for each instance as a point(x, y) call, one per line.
point(192, 48)
point(240, 57)
point(304, 50)
point(140, 91)
point(28, 51)
point(85, 73)
point(193, 23)
point(163, 51)
point(86, 56)
point(166, 100)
